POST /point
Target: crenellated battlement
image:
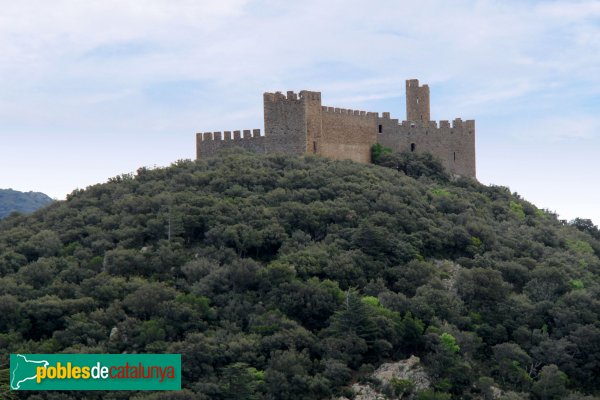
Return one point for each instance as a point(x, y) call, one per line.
point(297, 123)
point(278, 96)
point(336, 110)
point(457, 123)
point(227, 135)
point(291, 96)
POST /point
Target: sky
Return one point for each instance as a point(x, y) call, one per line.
point(90, 90)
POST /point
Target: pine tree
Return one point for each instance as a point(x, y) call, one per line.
point(355, 317)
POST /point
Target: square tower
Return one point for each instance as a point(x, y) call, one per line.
point(417, 101)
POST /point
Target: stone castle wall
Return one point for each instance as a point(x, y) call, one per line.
point(209, 143)
point(298, 124)
point(285, 130)
point(453, 145)
point(347, 134)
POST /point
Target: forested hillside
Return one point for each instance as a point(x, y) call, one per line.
point(282, 277)
point(25, 202)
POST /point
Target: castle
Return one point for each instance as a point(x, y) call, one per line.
point(299, 124)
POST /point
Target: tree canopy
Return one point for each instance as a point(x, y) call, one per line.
point(292, 277)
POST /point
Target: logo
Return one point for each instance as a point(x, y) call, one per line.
point(95, 372)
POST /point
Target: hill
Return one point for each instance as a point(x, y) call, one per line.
point(293, 277)
point(24, 202)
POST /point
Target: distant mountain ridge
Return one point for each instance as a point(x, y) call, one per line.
point(25, 202)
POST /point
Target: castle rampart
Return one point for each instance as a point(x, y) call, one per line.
point(208, 143)
point(347, 134)
point(297, 123)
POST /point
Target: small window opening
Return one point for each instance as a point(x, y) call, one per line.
point(417, 100)
point(454, 156)
point(421, 117)
point(380, 128)
point(413, 147)
point(315, 147)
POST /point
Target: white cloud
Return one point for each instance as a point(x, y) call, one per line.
point(482, 46)
point(572, 11)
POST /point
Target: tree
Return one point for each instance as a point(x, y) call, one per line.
point(354, 316)
point(46, 243)
point(288, 375)
point(377, 150)
point(449, 342)
point(551, 384)
point(512, 362)
point(241, 381)
point(586, 225)
point(413, 164)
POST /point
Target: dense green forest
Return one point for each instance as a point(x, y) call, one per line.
point(281, 277)
point(24, 202)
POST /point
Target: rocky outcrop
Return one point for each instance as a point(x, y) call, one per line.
point(408, 370)
point(408, 373)
point(365, 392)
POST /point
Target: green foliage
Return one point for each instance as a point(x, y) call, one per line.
point(577, 284)
point(476, 242)
point(517, 209)
point(439, 192)
point(432, 395)
point(587, 226)
point(240, 381)
point(377, 150)
point(413, 164)
point(292, 277)
point(449, 342)
point(401, 387)
point(355, 316)
point(580, 246)
point(512, 362)
point(551, 384)
point(5, 392)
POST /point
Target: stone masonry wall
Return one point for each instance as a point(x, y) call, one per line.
point(417, 101)
point(453, 145)
point(314, 122)
point(208, 143)
point(348, 134)
point(285, 122)
point(285, 130)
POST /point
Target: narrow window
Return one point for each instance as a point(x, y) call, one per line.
point(417, 100)
point(315, 147)
point(380, 128)
point(454, 156)
point(413, 147)
point(421, 117)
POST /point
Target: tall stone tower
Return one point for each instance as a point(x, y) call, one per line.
point(417, 101)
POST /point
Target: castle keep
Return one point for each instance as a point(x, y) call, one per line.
point(299, 124)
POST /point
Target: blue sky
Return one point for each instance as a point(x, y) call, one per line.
point(89, 90)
